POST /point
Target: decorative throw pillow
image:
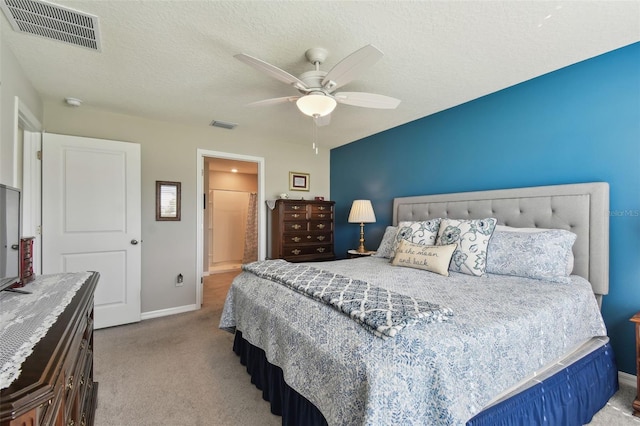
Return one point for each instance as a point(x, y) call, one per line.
point(430, 258)
point(388, 239)
point(423, 232)
point(541, 255)
point(504, 228)
point(472, 237)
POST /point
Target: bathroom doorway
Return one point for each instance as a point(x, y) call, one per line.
point(223, 162)
point(231, 214)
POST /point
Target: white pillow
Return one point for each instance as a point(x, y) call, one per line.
point(430, 258)
point(472, 237)
point(541, 255)
point(422, 232)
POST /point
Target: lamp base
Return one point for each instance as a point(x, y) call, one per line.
point(361, 248)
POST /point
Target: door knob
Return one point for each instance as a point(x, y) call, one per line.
point(134, 242)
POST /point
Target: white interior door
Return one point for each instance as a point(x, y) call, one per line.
point(91, 219)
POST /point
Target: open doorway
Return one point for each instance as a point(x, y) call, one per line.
point(231, 213)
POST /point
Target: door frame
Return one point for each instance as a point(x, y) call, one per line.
point(31, 217)
point(262, 223)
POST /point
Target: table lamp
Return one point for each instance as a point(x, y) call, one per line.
point(361, 212)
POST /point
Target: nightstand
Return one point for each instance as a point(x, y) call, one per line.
point(351, 254)
point(636, 403)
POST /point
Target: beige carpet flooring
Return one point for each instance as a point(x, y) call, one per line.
point(180, 370)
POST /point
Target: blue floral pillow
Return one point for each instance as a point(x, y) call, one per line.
point(388, 240)
point(422, 232)
point(540, 255)
point(472, 237)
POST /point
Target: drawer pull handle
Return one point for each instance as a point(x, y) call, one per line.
point(70, 383)
point(321, 226)
point(296, 226)
point(321, 215)
point(321, 208)
point(295, 207)
point(296, 239)
point(308, 237)
point(321, 237)
point(45, 403)
point(295, 251)
point(320, 249)
point(295, 215)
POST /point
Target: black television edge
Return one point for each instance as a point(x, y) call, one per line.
point(10, 208)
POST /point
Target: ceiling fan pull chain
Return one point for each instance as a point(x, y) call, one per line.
point(315, 133)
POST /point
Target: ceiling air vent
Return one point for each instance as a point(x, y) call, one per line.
point(223, 124)
point(53, 22)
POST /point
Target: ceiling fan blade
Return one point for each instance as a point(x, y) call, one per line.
point(351, 66)
point(322, 121)
point(271, 70)
point(274, 101)
point(366, 100)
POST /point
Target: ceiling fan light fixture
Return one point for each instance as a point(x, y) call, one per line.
point(316, 104)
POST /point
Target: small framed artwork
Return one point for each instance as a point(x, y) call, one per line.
point(167, 200)
point(298, 181)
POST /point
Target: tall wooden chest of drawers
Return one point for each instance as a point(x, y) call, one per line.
point(302, 231)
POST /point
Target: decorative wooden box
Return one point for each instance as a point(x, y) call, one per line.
point(26, 260)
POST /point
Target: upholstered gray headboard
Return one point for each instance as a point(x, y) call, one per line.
point(580, 208)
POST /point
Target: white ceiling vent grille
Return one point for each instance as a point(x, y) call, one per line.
point(53, 22)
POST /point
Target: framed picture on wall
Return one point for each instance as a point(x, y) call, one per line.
point(167, 200)
point(298, 181)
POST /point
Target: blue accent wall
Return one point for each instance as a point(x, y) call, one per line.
point(578, 124)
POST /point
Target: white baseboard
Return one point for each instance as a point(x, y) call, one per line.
point(627, 379)
point(170, 311)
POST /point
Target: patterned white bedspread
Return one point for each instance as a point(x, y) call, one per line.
point(504, 329)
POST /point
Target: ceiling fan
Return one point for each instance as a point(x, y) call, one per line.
point(317, 87)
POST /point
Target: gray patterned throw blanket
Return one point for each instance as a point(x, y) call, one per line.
point(382, 312)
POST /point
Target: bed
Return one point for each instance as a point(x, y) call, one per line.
point(502, 349)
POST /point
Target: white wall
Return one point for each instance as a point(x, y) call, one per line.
point(169, 153)
point(13, 82)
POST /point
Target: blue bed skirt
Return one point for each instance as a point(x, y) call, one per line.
point(295, 409)
point(569, 397)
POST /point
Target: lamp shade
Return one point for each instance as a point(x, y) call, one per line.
point(316, 104)
point(362, 212)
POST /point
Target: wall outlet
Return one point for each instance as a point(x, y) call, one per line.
point(179, 280)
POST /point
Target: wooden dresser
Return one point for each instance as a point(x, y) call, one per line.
point(636, 403)
point(302, 231)
point(55, 386)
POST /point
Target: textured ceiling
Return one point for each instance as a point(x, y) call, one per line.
point(173, 60)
